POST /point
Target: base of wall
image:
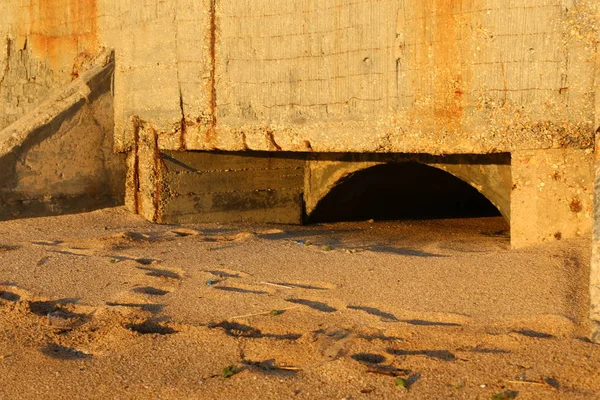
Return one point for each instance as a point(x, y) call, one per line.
point(545, 195)
point(188, 187)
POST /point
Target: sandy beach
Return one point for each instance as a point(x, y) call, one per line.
point(106, 305)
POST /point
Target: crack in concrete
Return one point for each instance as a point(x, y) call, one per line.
point(9, 43)
point(182, 134)
point(211, 132)
point(183, 125)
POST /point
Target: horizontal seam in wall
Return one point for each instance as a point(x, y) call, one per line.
point(216, 171)
point(241, 191)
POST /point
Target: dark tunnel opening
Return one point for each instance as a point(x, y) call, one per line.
point(401, 191)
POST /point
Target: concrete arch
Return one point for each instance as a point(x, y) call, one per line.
point(492, 178)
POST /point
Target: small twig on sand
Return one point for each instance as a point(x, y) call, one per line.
point(529, 383)
point(276, 284)
point(387, 370)
point(286, 368)
point(261, 313)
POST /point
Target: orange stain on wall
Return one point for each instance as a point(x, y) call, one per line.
point(60, 30)
point(449, 83)
point(440, 31)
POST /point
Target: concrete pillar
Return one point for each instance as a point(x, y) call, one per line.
point(552, 195)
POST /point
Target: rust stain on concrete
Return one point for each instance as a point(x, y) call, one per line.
point(442, 35)
point(211, 133)
point(60, 30)
point(448, 46)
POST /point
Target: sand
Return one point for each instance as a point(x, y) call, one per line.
point(106, 305)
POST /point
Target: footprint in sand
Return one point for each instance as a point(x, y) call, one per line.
point(11, 293)
point(319, 286)
point(47, 242)
point(60, 352)
point(385, 316)
point(132, 307)
point(227, 273)
point(151, 327)
point(167, 274)
point(184, 232)
point(6, 248)
point(237, 330)
point(149, 284)
point(442, 355)
point(368, 358)
point(231, 281)
point(9, 296)
point(315, 305)
point(151, 291)
point(224, 274)
point(61, 313)
point(233, 289)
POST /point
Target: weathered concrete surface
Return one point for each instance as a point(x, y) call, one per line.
point(44, 44)
point(411, 76)
point(545, 195)
point(426, 76)
point(58, 158)
point(552, 195)
point(175, 187)
point(177, 62)
point(184, 187)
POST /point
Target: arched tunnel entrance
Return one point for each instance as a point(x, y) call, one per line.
point(401, 191)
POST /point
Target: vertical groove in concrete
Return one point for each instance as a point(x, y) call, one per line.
point(595, 266)
point(136, 169)
point(211, 133)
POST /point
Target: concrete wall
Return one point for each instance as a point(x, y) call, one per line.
point(595, 264)
point(391, 76)
point(545, 195)
point(58, 158)
point(191, 187)
point(176, 187)
point(44, 44)
point(410, 76)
